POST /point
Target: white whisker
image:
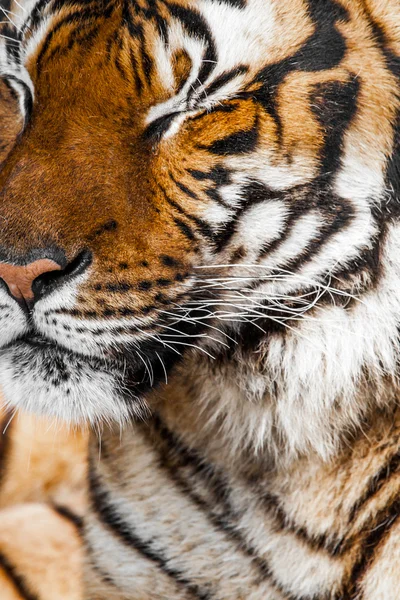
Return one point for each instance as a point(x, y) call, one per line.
point(163, 367)
point(7, 37)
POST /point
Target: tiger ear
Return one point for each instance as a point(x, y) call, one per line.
point(10, 120)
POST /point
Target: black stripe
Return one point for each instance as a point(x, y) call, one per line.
point(240, 142)
point(105, 577)
point(197, 27)
point(375, 484)
point(228, 106)
point(159, 126)
point(146, 60)
point(69, 515)
point(235, 3)
point(6, 4)
point(379, 35)
point(368, 262)
point(136, 75)
point(323, 50)
point(393, 165)
point(337, 214)
point(120, 67)
point(252, 193)
point(72, 18)
point(107, 512)
point(201, 225)
point(10, 88)
point(222, 80)
point(181, 457)
point(185, 189)
point(173, 457)
point(27, 95)
point(135, 29)
point(219, 176)
point(12, 46)
point(378, 531)
point(17, 579)
point(83, 17)
point(185, 229)
point(84, 36)
point(334, 104)
point(91, 558)
point(216, 484)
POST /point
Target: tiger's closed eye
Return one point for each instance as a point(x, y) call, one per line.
point(159, 126)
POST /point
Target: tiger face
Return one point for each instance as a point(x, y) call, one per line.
point(185, 167)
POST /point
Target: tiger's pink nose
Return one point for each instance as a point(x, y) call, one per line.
point(19, 279)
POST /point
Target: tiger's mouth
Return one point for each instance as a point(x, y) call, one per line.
point(44, 376)
point(47, 346)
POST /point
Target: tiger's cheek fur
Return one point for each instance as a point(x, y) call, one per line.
point(141, 205)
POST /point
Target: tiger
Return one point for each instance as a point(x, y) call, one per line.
point(200, 261)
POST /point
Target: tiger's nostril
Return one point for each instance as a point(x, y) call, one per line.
point(50, 280)
point(20, 279)
point(29, 283)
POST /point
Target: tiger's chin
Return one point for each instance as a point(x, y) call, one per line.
point(44, 378)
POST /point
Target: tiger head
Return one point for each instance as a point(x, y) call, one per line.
point(191, 172)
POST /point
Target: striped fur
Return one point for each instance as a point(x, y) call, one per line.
point(177, 524)
point(219, 181)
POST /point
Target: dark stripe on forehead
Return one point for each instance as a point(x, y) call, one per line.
point(197, 27)
point(84, 21)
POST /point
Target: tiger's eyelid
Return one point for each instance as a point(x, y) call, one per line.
point(160, 125)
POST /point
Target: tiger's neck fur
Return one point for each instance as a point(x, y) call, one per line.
point(302, 392)
point(187, 512)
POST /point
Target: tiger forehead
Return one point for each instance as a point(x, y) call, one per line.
point(167, 50)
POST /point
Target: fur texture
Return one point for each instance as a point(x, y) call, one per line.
point(219, 181)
